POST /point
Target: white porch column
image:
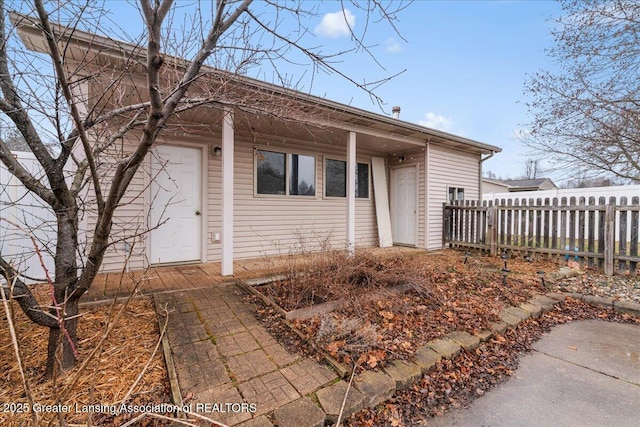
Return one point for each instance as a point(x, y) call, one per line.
point(227, 192)
point(351, 193)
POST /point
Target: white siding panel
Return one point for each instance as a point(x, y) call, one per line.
point(280, 225)
point(448, 168)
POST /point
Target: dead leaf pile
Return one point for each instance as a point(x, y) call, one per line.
point(446, 294)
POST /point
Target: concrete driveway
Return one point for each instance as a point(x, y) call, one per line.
point(585, 373)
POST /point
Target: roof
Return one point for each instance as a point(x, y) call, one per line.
point(342, 116)
point(521, 184)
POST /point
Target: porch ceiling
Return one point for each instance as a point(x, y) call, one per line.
point(264, 128)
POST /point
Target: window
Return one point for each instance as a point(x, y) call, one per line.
point(456, 194)
point(303, 175)
point(336, 182)
point(285, 174)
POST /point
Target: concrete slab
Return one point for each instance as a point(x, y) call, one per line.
point(300, 413)
point(376, 387)
point(445, 347)
point(260, 421)
point(331, 399)
point(518, 312)
point(610, 348)
point(403, 373)
point(466, 340)
point(426, 359)
point(595, 385)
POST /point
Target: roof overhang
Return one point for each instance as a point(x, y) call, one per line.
point(85, 46)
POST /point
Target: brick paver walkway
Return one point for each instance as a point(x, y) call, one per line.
point(224, 356)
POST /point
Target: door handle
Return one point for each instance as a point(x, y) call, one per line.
point(197, 213)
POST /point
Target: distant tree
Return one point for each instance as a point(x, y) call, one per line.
point(532, 169)
point(490, 174)
point(586, 115)
point(586, 182)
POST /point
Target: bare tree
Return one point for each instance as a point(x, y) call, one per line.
point(586, 115)
point(104, 119)
point(532, 169)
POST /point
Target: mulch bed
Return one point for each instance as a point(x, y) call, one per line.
point(449, 291)
point(106, 380)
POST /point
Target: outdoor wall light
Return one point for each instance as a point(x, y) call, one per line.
point(401, 158)
point(216, 151)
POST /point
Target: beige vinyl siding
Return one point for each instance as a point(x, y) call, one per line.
point(448, 168)
point(415, 158)
point(490, 187)
point(214, 203)
point(130, 216)
point(279, 225)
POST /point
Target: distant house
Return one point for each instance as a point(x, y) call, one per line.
point(490, 185)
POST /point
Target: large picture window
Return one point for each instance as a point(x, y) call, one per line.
point(285, 173)
point(336, 182)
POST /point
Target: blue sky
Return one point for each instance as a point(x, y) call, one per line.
point(466, 63)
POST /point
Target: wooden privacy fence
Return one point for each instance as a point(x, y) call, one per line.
point(602, 234)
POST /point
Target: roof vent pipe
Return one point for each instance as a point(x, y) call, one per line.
point(396, 112)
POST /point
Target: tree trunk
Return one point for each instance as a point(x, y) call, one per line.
point(63, 340)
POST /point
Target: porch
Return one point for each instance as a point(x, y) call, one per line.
point(161, 279)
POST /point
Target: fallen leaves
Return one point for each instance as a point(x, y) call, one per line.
point(457, 382)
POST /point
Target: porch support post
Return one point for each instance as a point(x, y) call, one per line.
point(351, 193)
point(227, 192)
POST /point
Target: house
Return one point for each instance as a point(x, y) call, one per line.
point(269, 170)
point(490, 185)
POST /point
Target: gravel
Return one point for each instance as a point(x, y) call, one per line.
point(618, 287)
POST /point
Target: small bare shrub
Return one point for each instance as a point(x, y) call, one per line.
point(352, 333)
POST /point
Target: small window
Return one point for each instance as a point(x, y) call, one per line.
point(336, 182)
point(270, 172)
point(285, 174)
point(456, 194)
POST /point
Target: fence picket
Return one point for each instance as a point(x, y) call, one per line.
point(601, 201)
point(622, 235)
point(633, 244)
point(591, 217)
point(604, 234)
point(547, 225)
point(581, 227)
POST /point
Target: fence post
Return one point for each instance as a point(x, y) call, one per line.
point(609, 238)
point(492, 229)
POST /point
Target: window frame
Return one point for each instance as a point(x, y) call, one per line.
point(338, 159)
point(456, 191)
point(287, 172)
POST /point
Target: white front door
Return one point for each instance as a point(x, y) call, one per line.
point(176, 205)
point(404, 205)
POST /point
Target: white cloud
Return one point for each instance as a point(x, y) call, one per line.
point(336, 24)
point(436, 121)
point(392, 45)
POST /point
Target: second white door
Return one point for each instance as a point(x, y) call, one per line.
point(404, 205)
